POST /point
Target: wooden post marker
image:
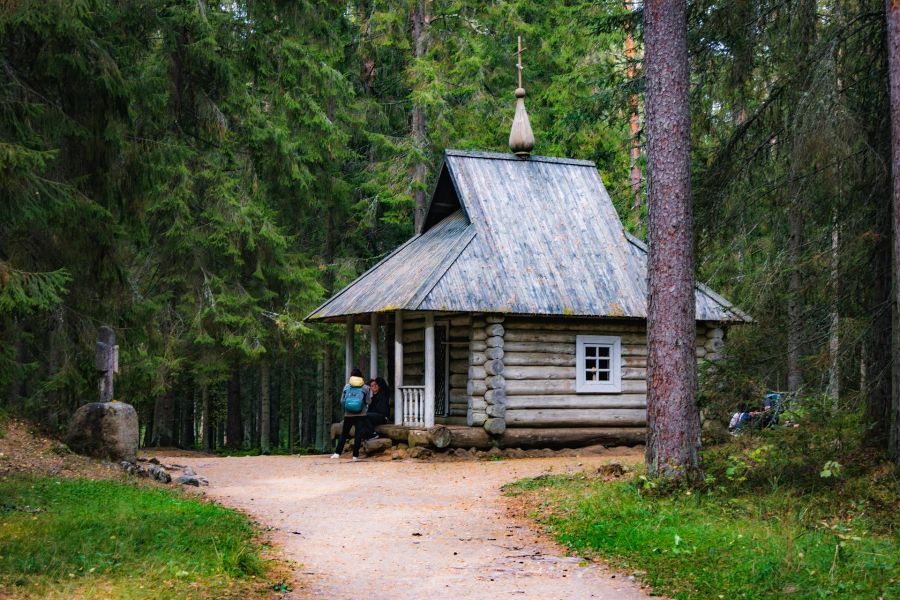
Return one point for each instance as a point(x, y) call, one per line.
point(107, 362)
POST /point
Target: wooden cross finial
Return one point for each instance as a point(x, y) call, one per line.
point(519, 64)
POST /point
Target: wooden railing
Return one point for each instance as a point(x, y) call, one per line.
point(412, 398)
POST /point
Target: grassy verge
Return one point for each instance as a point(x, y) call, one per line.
point(79, 538)
point(763, 526)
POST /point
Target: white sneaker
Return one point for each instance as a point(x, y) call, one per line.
point(335, 455)
point(355, 458)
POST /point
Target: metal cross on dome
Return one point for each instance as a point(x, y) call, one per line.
point(519, 63)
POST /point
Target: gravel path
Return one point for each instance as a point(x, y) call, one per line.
point(380, 529)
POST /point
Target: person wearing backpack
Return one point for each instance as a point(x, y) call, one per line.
point(355, 399)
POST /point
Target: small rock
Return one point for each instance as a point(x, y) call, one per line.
point(611, 470)
point(494, 452)
point(194, 480)
point(159, 474)
point(154, 461)
point(419, 452)
point(189, 471)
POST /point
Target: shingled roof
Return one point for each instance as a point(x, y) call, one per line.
point(524, 236)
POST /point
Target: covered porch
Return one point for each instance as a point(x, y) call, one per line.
point(419, 365)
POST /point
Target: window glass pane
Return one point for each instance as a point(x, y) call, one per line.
point(603, 351)
point(603, 363)
point(590, 350)
point(590, 375)
point(602, 376)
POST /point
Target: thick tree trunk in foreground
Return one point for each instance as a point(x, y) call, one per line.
point(892, 13)
point(235, 427)
point(673, 420)
point(419, 133)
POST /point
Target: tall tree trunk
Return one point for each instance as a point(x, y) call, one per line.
point(323, 371)
point(235, 428)
point(292, 424)
point(207, 430)
point(794, 302)
point(634, 121)
point(892, 11)
point(187, 419)
point(264, 408)
point(834, 340)
point(673, 419)
point(164, 420)
point(419, 132)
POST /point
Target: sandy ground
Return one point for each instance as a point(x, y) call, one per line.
point(390, 529)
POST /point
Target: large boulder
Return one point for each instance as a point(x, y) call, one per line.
point(105, 430)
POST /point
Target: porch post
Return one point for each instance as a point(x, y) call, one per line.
point(429, 370)
point(373, 346)
point(398, 367)
point(348, 349)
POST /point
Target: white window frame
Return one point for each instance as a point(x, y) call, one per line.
point(614, 385)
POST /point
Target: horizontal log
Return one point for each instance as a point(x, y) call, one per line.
point(475, 418)
point(459, 353)
point(577, 417)
point(477, 358)
point(377, 445)
point(537, 387)
point(453, 420)
point(495, 382)
point(477, 372)
point(475, 387)
point(470, 437)
point(555, 337)
point(495, 342)
point(478, 334)
point(494, 353)
point(477, 346)
point(494, 330)
point(476, 403)
point(495, 318)
point(527, 372)
point(459, 366)
point(572, 437)
point(459, 381)
point(494, 367)
point(413, 336)
point(545, 359)
point(577, 401)
point(581, 327)
point(511, 347)
point(461, 321)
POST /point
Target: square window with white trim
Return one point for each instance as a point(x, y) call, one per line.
point(598, 364)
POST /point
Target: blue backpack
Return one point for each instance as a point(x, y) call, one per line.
point(354, 399)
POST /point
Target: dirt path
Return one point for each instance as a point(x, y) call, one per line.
point(386, 530)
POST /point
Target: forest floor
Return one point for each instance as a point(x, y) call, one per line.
point(385, 529)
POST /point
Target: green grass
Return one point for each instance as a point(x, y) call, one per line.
point(65, 538)
point(760, 527)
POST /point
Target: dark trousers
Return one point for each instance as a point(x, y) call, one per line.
point(360, 423)
point(375, 419)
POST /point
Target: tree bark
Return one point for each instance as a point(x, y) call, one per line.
point(834, 340)
point(794, 302)
point(164, 420)
point(673, 433)
point(419, 132)
point(264, 408)
point(235, 427)
point(207, 424)
point(634, 121)
point(892, 14)
point(292, 425)
point(187, 419)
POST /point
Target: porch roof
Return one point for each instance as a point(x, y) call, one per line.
point(525, 236)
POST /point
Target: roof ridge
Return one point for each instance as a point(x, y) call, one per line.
point(512, 157)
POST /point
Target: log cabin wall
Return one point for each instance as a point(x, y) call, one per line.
point(539, 371)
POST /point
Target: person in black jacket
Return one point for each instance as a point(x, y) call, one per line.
point(379, 407)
